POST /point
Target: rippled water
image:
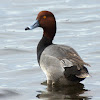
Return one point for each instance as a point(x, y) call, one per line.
point(78, 23)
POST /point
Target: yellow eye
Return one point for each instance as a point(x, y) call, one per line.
point(44, 17)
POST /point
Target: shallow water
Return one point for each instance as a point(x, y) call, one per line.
point(78, 25)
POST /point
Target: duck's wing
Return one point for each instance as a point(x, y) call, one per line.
point(72, 56)
point(67, 56)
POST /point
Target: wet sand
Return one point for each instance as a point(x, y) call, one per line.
point(78, 25)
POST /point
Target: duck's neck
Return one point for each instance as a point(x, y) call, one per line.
point(48, 36)
point(44, 42)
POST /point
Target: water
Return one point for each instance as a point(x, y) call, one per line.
point(78, 25)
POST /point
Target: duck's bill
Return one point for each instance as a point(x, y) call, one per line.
point(34, 25)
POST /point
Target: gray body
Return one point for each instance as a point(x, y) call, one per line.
point(55, 58)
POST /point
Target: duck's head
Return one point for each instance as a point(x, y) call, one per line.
point(45, 20)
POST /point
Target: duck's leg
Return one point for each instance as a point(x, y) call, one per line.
point(49, 82)
point(55, 83)
point(52, 83)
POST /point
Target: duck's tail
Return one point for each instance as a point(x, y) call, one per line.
point(73, 74)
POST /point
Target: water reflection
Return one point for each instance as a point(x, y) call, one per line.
point(65, 92)
point(5, 93)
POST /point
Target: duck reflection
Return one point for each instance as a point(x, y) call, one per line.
point(72, 92)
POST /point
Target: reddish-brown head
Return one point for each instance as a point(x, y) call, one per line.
point(46, 20)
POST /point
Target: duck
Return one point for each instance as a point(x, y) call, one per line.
point(60, 63)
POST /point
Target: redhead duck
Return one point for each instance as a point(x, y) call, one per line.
point(60, 63)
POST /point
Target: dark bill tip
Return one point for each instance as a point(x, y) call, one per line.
point(34, 25)
point(27, 28)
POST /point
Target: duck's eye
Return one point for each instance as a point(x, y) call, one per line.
point(44, 17)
